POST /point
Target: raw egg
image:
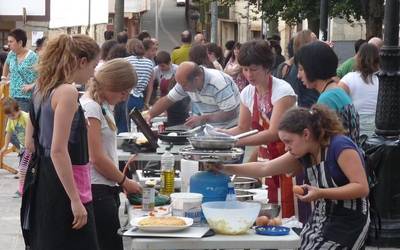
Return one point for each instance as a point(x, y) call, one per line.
point(262, 221)
point(299, 190)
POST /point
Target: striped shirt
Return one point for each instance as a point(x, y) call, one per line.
point(334, 224)
point(219, 93)
point(144, 71)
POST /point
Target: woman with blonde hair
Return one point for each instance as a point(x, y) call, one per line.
point(105, 91)
point(60, 214)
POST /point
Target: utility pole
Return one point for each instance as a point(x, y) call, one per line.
point(119, 16)
point(214, 21)
point(323, 20)
point(89, 17)
point(156, 19)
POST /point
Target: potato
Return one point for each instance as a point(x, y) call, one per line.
point(262, 221)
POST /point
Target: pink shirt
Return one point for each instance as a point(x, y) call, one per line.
point(82, 182)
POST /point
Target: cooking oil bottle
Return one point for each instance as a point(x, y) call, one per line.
point(167, 173)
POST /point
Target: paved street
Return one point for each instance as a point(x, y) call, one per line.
point(171, 22)
point(10, 236)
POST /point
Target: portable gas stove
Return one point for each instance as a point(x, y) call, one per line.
point(212, 185)
point(211, 155)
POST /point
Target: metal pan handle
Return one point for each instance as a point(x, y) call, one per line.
point(245, 134)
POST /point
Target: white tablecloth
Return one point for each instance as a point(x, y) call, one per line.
point(246, 241)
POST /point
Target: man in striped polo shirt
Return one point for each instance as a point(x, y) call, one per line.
point(213, 92)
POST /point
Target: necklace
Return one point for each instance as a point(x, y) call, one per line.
point(326, 84)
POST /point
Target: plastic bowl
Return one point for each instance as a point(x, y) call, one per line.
point(230, 217)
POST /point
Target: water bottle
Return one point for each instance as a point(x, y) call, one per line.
point(167, 177)
point(231, 195)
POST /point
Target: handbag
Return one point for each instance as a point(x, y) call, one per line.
point(31, 179)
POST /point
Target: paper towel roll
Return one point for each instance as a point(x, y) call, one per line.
point(188, 168)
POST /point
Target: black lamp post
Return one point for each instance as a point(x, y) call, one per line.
point(383, 150)
point(387, 118)
point(323, 20)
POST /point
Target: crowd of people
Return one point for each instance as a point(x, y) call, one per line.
point(310, 114)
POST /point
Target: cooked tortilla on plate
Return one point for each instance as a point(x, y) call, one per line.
point(162, 221)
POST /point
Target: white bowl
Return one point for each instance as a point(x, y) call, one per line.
point(230, 217)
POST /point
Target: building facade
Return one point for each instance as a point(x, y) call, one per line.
point(51, 17)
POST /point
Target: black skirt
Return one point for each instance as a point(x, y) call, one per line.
point(52, 216)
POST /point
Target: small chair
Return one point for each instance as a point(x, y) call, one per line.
point(4, 92)
point(6, 166)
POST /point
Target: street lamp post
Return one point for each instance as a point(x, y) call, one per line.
point(323, 20)
point(156, 19)
point(388, 109)
point(383, 150)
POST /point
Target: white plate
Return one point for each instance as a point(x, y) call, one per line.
point(188, 221)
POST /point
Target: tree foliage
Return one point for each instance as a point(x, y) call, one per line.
point(294, 11)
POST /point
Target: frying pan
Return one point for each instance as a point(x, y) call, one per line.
point(179, 139)
point(218, 142)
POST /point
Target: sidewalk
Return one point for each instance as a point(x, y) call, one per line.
point(10, 234)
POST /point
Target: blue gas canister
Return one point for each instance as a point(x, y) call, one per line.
point(212, 185)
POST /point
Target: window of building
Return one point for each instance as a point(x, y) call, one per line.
point(3, 37)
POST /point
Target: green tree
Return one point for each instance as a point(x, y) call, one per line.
point(294, 11)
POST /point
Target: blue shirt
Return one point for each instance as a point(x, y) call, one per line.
point(335, 99)
point(338, 100)
point(21, 73)
point(337, 145)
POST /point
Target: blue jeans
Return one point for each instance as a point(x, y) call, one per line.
point(135, 102)
point(121, 117)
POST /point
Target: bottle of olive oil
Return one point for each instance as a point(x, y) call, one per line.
point(167, 173)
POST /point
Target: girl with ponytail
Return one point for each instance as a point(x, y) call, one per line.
point(335, 180)
point(59, 212)
point(105, 90)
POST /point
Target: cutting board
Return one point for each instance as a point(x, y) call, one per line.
point(191, 232)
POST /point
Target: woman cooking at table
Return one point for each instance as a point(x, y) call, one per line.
point(105, 90)
point(334, 172)
point(263, 102)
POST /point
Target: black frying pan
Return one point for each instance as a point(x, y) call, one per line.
point(179, 139)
